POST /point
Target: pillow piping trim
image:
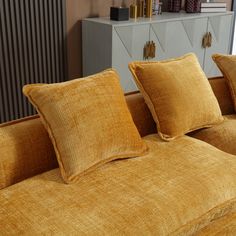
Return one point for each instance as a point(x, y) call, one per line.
point(50, 132)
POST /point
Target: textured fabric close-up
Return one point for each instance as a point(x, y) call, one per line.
point(227, 65)
point(222, 136)
point(183, 187)
point(25, 150)
point(179, 188)
point(178, 95)
point(117, 118)
point(88, 122)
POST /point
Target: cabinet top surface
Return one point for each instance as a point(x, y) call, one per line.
point(166, 16)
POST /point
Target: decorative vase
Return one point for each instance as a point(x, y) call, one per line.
point(148, 12)
point(140, 10)
point(193, 6)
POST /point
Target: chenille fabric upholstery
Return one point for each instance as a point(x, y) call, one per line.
point(25, 150)
point(222, 136)
point(35, 150)
point(221, 90)
point(88, 122)
point(179, 188)
point(178, 95)
point(141, 115)
point(225, 226)
point(227, 65)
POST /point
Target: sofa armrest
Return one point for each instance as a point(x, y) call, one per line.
point(25, 150)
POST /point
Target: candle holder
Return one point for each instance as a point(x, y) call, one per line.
point(140, 5)
point(148, 12)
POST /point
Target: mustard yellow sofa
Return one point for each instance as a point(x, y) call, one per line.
point(183, 187)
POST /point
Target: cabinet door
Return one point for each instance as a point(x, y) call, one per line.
point(127, 45)
point(220, 29)
point(175, 38)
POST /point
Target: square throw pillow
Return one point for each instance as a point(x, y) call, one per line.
point(88, 122)
point(178, 95)
point(227, 65)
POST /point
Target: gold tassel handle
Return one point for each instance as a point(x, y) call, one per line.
point(149, 50)
point(207, 40)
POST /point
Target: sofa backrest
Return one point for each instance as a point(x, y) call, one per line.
point(26, 150)
point(222, 93)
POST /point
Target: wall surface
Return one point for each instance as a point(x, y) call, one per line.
point(77, 10)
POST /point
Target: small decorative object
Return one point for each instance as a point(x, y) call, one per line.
point(155, 7)
point(133, 11)
point(160, 8)
point(207, 40)
point(140, 10)
point(119, 13)
point(193, 6)
point(148, 12)
point(149, 50)
point(174, 5)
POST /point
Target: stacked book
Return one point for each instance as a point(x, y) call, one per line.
point(213, 7)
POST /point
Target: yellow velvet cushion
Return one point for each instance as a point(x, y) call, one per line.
point(227, 65)
point(178, 95)
point(88, 122)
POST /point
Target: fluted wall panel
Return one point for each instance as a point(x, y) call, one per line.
point(32, 50)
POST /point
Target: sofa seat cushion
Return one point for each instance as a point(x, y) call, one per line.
point(224, 226)
point(222, 136)
point(179, 188)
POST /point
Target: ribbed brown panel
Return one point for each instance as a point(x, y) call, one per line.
point(32, 50)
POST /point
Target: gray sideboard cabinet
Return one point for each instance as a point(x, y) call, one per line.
point(108, 43)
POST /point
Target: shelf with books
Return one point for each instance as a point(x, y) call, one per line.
point(213, 7)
